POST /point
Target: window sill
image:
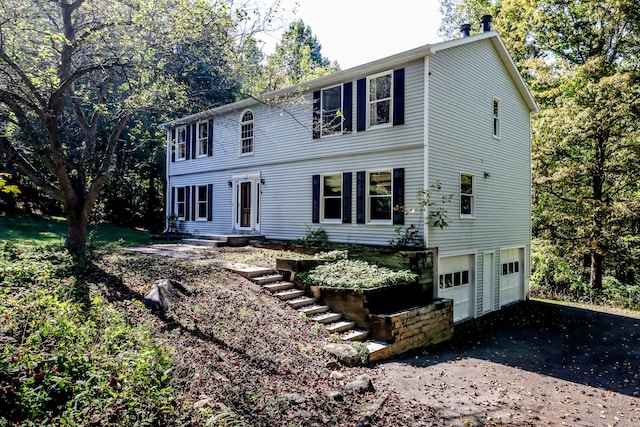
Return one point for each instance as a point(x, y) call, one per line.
point(379, 222)
point(467, 217)
point(201, 156)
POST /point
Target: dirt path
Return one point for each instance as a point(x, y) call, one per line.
point(530, 364)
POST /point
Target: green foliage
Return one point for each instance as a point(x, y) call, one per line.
point(355, 274)
point(332, 255)
point(70, 358)
point(317, 238)
point(27, 230)
point(430, 200)
point(363, 351)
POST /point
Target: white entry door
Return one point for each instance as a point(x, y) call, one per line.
point(246, 202)
point(511, 275)
point(456, 281)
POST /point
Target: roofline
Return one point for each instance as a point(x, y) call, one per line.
point(358, 71)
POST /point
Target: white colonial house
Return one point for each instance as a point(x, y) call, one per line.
point(339, 152)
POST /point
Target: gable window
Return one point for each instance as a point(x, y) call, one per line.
point(202, 139)
point(331, 103)
point(379, 196)
point(467, 195)
point(380, 90)
point(332, 197)
point(181, 202)
point(496, 118)
point(181, 143)
point(201, 203)
point(246, 133)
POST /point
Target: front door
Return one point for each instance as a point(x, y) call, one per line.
point(246, 201)
point(245, 204)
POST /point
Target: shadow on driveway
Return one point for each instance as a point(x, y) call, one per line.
point(593, 348)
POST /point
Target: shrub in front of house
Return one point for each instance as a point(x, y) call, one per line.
point(355, 274)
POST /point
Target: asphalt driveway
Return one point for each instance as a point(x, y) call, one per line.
point(532, 363)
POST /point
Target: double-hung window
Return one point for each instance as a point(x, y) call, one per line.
point(246, 133)
point(332, 197)
point(467, 195)
point(202, 140)
point(380, 95)
point(331, 105)
point(380, 196)
point(181, 143)
point(201, 203)
point(181, 202)
point(496, 118)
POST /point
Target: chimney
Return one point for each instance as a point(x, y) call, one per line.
point(465, 29)
point(486, 23)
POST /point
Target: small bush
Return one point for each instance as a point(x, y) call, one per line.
point(355, 274)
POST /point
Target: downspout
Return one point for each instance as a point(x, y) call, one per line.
point(426, 147)
point(167, 191)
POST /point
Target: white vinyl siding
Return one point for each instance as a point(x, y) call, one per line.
point(502, 201)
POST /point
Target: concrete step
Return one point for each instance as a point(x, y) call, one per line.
point(341, 326)
point(289, 294)
point(202, 242)
point(267, 278)
point(314, 309)
point(355, 335)
point(302, 301)
point(278, 286)
point(325, 318)
point(250, 272)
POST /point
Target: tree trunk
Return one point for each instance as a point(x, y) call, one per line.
point(596, 271)
point(77, 220)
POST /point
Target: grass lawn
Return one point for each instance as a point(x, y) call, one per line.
point(21, 229)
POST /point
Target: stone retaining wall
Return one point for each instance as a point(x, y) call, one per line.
point(413, 328)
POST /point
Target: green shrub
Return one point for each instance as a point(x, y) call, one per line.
point(355, 274)
point(69, 358)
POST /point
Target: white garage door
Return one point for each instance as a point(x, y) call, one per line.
point(456, 282)
point(511, 275)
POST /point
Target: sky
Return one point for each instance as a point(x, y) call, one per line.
point(354, 32)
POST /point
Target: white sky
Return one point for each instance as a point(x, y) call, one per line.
point(354, 32)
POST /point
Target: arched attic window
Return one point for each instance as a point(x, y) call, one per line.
point(246, 132)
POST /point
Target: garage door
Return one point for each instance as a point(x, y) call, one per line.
point(456, 282)
point(511, 275)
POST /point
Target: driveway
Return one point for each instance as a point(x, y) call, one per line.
point(530, 364)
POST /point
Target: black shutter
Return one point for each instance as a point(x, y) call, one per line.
point(194, 193)
point(210, 202)
point(398, 97)
point(360, 196)
point(187, 191)
point(315, 213)
point(187, 143)
point(210, 139)
point(398, 195)
point(346, 197)
point(361, 104)
point(173, 201)
point(317, 119)
point(347, 107)
point(194, 139)
point(173, 145)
